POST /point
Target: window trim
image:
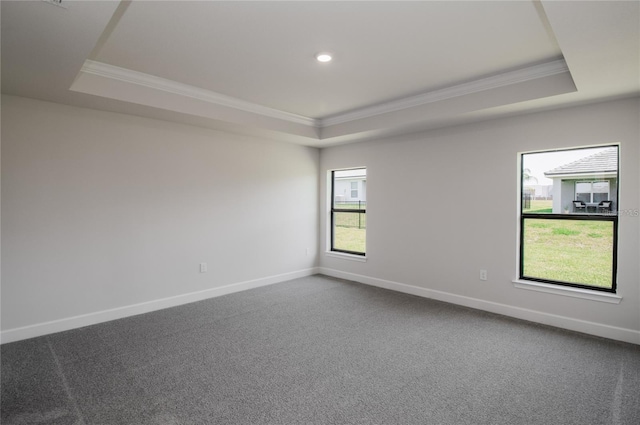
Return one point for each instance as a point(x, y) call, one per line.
point(547, 285)
point(345, 256)
point(567, 291)
point(333, 210)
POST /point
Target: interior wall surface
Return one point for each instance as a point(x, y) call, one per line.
point(443, 205)
point(101, 211)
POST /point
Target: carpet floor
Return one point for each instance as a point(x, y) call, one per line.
point(319, 350)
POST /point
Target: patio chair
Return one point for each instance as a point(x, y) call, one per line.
point(579, 206)
point(604, 206)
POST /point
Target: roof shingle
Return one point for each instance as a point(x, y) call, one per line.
point(601, 162)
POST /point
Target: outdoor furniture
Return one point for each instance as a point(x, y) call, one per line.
point(579, 206)
point(604, 206)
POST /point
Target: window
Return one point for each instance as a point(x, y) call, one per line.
point(592, 192)
point(568, 219)
point(348, 213)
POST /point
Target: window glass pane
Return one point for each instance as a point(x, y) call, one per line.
point(568, 232)
point(573, 251)
point(601, 187)
point(599, 197)
point(356, 172)
point(583, 187)
point(349, 231)
point(584, 197)
point(354, 189)
point(551, 181)
point(351, 205)
point(345, 188)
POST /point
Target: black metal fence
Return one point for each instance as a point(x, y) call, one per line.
point(355, 219)
point(526, 201)
point(350, 205)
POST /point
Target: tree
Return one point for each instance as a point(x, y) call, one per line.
point(528, 193)
point(527, 177)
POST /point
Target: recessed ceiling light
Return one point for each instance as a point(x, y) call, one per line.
point(323, 57)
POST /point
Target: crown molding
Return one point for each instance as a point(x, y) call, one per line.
point(157, 83)
point(495, 81)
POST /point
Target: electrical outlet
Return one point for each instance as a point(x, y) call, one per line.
point(483, 275)
point(203, 267)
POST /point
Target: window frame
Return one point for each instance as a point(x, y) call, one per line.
point(606, 217)
point(333, 210)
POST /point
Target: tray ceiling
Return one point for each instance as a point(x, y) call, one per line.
point(249, 67)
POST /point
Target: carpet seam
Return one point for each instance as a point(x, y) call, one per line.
point(616, 408)
point(65, 384)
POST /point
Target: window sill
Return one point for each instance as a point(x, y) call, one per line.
point(568, 291)
point(345, 256)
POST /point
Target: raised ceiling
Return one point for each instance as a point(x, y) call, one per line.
point(264, 52)
point(249, 67)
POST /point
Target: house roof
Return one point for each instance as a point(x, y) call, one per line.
point(601, 162)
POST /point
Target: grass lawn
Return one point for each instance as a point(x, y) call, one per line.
point(571, 251)
point(350, 239)
point(350, 231)
point(350, 220)
point(539, 206)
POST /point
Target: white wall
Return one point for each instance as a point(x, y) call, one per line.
point(437, 247)
point(102, 211)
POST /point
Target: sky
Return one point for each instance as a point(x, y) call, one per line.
point(538, 163)
point(358, 172)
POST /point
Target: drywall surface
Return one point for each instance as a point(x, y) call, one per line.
point(102, 210)
point(442, 205)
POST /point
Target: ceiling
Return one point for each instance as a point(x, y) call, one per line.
point(249, 67)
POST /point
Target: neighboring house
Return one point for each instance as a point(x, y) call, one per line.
point(350, 189)
point(591, 179)
point(538, 191)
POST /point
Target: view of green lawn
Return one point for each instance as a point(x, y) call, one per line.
point(350, 231)
point(350, 239)
point(576, 251)
point(351, 205)
point(539, 206)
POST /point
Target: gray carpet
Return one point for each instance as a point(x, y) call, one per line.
point(320, 351)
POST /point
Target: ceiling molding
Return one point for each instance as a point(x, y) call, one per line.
point(157, 83)
point(151, 81)
point(597, 43)
point(495, 81)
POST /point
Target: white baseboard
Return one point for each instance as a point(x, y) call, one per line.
point(592, 328)
point(68, 323)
